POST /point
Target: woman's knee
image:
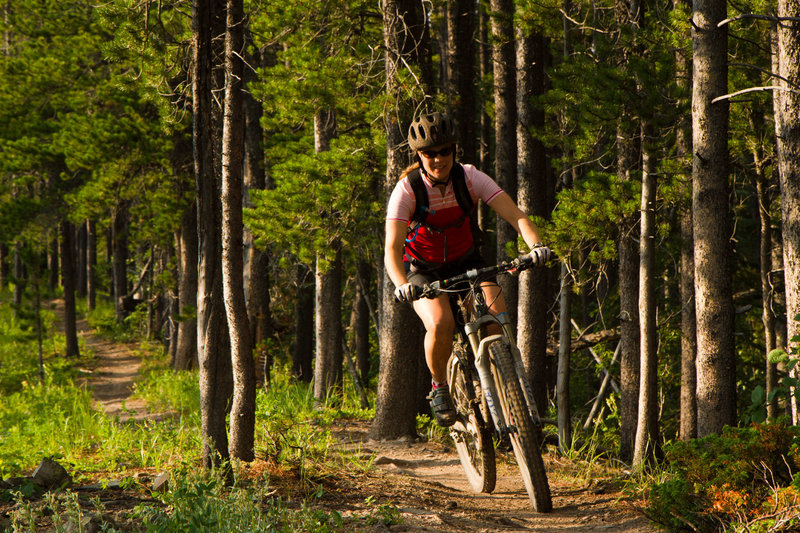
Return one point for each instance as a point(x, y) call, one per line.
point(442, 329)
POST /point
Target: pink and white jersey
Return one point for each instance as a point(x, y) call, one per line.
point(454, 237)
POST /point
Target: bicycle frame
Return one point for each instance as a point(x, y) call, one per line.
point(486, 347)
point(472, 329)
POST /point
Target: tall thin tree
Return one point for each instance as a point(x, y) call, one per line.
point(243, 407)
point(328, 301)
point(716, 377)
point(395, 403)
point(787, 132)
point(505, 129)
point(533, 172)
point(216, 380)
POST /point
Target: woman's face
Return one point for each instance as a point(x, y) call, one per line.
point(437, 161)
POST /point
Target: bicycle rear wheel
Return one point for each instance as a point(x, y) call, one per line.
point(470, 434)
point(524, 437)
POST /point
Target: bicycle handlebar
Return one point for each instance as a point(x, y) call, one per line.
point(433, 289)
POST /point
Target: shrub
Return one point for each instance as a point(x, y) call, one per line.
point(726, 479)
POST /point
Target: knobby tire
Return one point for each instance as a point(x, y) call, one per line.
point(470, 434)
point(524, 440)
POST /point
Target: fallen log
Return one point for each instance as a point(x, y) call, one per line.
point(586, 341)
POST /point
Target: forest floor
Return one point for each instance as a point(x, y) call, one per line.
point(420, 480)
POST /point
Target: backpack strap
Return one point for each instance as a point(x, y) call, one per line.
point(422, 208)
point(465, 202)
point(460, 189)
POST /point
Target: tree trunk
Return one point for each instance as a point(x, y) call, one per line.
point(485, 147)
point(505, 130)
point(91, 264)
point(647, 425)
point(119, 250)
point(186, 349)
point(80, 249)
point(359, 321)
point(716, 377)
point(328, 362)
point(303, 352)
point(564, 350)
point(787, 125)
point(400, 336)
point(19, 274)
point(216, 380)
point(532, 171)
point(68, 283)
point(52, 259)
point(683, 145)
point(484, 96)
point(628, 258)
point(243, 407)
point(328, 303)
point(258, 265)
point(461, 47)
point(688, 429)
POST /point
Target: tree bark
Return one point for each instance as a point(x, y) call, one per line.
point(81, 240)
point(68, 283)
point(328, 303)
point(688, 428)
point(243, 407)
point(119, 247)
point(647, 426)
point(52, 259)
point(19, 275)
point(216, 380)
point(683, 145)
point(532, 171)
point(461, 47)
point(400, 336)
point(787, 132)
point(628, 259)
point(328, 362)
point(186, 349)
point(258, 263)
point(91, 264)
point(716, 378)
point(359, 321)
point(505, 130)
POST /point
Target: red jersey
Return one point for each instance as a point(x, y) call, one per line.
point(454, 240)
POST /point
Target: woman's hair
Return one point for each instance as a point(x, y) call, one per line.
point(409, 169)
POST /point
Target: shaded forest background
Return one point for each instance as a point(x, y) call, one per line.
point(219, 170)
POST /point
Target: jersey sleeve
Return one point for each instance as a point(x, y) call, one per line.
point(401, 202)
point(481, 185)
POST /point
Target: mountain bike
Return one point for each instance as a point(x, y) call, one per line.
point(489, 388)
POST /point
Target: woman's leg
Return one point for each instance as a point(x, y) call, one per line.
point(495, 301)
point(437, 317)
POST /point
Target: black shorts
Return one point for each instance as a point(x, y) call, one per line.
point(420, 274)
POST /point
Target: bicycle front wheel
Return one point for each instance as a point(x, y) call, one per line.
point(470, 434)
point(523, 434)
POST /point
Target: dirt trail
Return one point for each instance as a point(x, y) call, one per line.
point(425, 480)
point(422, 480)
point(113, 375)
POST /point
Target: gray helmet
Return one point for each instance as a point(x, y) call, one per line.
point(432, 129)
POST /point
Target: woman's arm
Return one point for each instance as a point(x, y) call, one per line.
point(505, 207)
point(393, 254)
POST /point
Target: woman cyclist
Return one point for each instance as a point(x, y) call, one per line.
point(429, 239)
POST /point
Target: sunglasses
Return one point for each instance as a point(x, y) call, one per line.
point(444, 152)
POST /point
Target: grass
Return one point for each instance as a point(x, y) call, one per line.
point(55, 418)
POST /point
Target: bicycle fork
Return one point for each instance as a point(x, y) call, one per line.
point(481, 350)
